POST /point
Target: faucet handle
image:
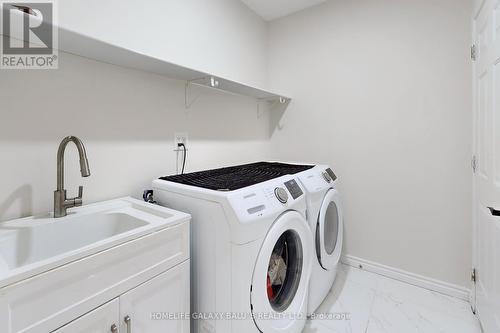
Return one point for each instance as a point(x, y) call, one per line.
point(77, 202)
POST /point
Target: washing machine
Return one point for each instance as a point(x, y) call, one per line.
point(324, 214)
point(251, 247)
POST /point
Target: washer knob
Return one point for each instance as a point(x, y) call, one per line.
point(281, 194)
point(327, 177)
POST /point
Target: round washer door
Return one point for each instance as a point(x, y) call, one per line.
point(329, 230)
point(281, 276)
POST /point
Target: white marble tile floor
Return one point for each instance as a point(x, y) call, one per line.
point(363, 302)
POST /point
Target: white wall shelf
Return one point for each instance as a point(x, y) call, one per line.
point(80, 44)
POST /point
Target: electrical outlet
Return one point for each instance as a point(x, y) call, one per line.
point(180, 137)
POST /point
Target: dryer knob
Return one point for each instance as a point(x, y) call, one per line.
point(281, 194)
point(327, 177)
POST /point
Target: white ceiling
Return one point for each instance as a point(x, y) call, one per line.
point(273, 9)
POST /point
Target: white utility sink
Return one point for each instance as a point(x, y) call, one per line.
point(34, 245)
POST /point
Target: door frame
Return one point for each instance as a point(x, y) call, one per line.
point(478, 5)
point(480, 9)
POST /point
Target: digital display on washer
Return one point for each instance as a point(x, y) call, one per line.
point(331, 174)
point(294, 188)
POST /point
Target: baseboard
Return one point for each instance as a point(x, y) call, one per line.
point(411, 278)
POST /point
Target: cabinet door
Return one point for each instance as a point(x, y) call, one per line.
point(159, 305)
point(100, 320)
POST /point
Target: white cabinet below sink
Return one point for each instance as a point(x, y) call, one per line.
point(156, 306)
point(159, 305)
point(100, 320)
point(143, 275)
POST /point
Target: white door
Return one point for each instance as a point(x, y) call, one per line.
point(159, 305)
point(487, 165)
point(329, 231)
point(281, 276)
point(104, 319)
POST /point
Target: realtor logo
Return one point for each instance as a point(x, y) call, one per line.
point(29, 36)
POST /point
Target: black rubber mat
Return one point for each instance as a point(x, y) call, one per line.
point(236, 177)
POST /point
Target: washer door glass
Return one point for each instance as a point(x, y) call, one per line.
point(280, 282)
point(284, 271)
point(329, 231)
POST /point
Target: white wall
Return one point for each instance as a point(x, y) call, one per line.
point(222, 37)
point(127, 118)
point(382, 92)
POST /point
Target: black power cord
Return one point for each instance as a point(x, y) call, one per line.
point(148, 196)
point(184, 156)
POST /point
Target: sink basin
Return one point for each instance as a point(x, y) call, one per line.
point(36, 244)
point(31, 244)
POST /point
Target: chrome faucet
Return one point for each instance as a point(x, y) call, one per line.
point(61, 202)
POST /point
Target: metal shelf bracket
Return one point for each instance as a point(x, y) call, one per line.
point(207, 81)
point(276, 106)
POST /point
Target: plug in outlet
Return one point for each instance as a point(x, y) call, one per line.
point(180, 138)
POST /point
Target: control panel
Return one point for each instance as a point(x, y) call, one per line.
point(332, 175)
point(294, 188)
point(281, 194)
point(327, 177)
point(268, 198)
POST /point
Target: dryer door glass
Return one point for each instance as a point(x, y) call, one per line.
point(331, 227)
point(329, 231)
point(284, 271)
